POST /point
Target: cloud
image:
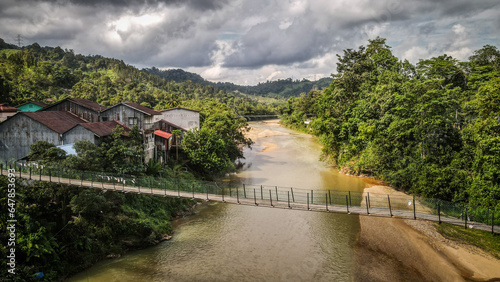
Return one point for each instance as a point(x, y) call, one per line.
point(248, 41)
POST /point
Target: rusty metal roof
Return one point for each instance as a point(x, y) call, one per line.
point(142, 109)
point(105, 128)
point(89, 104)
point(8, 109)
point(59, 121)
point(82, 102)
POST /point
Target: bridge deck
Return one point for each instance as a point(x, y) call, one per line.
point(285, 202)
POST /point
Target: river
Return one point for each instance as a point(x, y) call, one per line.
point(228, 242)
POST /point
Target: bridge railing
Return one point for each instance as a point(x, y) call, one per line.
point(373, 203)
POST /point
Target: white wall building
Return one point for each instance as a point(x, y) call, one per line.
point(185, 118)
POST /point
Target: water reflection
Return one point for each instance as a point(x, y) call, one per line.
point(225, 242)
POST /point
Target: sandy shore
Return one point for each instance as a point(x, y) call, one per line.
point(256, 133)
point(412, 250)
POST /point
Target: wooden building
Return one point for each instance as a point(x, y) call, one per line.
point(6, 111)
point(85, 109)
point(131, 114)
point(95, 132)
point(22, 130)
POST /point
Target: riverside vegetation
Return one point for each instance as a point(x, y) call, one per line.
point(431, 129)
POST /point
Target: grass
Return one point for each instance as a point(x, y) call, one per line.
point(482, 239)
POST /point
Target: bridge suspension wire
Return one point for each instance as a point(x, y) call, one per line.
point(361, 203)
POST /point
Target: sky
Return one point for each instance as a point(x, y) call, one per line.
point(251, 41)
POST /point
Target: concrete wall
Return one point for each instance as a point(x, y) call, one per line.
point(79, 133)
point(181, 117)
point(19, 132)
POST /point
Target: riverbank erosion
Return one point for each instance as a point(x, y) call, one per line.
point(413, 250)
point(63, 229)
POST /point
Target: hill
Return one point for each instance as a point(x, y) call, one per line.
point(281, 88)
point(36, 73)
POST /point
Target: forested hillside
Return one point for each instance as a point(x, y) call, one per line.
point(432, 129)
point(281, 88)
point(36, 74)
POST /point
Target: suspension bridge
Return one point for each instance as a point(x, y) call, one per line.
point(332, 201)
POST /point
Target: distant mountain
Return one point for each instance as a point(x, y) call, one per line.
point(276, 89)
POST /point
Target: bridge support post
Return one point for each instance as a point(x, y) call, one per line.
point(366, 203)
point(293, 197)
point(347, 204)
point(223, 194)
point(389, 201)
point(237, 195)
point(206, 188)
point(254, 197)
point(192, 188)
point(308, 202)
point(369, 204)
point(271, 198)
point(289, 200)
point(350, 202)
point(244, 191)
point(277, 199)
point(261, 192)
point(414, 208)
point(326, 201)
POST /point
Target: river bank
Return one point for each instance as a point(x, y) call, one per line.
point(402, 249)
point(416, 248)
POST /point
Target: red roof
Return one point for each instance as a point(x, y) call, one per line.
point(143, 109)
point(59, 121)
point(163, 134)
point(8, 109)
point(105, 128)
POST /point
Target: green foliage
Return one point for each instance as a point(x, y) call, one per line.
point(62, 230)
point(433, 129)
point(45, 152)
point(213, 149)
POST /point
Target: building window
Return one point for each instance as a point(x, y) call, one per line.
point(104, 118)
point(133, 121)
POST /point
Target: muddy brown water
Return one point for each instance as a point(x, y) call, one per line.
point(228, 242)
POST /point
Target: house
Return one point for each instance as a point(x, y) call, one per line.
point(6, 111)
point(185, 118)
point(85, 109)
point(159, 140)
point(131, 114)
point(31, 106)
point(22, 130)
point(95, 132)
